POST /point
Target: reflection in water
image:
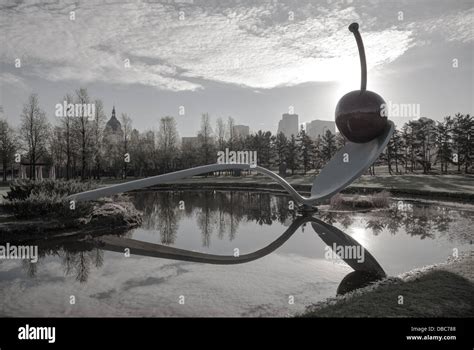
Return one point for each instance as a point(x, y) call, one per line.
point(217, 212)
point(419, 220)
point(221, 212)
point(219, 217)
point(368, 268)
point(78, 257)
point(79, 263)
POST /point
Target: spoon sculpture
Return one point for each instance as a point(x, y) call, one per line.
point(358, 119)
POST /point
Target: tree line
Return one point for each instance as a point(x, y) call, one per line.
point(81, 147)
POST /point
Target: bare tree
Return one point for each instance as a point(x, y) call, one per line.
point(167, 138)
point(220, 133)
point(67, 136)
point(83, 130)
point(126, 122)
point(8, 145)
point(34, 132)
point(230, 132)
point(98, 137)
point(56, 146)
point(205, 139)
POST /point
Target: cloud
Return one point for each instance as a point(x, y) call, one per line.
point(174, 46)
point(12, 80)
point(456, 26)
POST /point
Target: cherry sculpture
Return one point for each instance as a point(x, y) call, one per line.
point(359, 113)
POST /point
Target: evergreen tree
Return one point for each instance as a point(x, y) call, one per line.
point(305, 150)
point(463, 138)
point(444, 143)
point(292, 155)
point(280, 148)
point(328, 145)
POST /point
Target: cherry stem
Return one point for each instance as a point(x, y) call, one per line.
point(354, 28)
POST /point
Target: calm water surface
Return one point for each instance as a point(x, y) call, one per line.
point(106, 283)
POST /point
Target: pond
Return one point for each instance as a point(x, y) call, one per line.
point(76, 278)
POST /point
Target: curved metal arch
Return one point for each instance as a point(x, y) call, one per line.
point(349, 163)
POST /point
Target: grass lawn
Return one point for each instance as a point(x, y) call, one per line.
point(442, 186)
point(445, 290)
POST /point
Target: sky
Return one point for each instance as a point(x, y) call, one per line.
point(252, 60)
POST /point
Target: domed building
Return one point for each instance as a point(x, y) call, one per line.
point(113, 146)
point(113, 129)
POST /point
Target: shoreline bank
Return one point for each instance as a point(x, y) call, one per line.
point(439, 290)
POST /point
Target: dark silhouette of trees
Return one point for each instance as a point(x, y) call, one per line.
point(83, 131)
point(98, 125)
point(463, 138)
point(261, 143)
point(167, 143)
point(67, 137)
point(280, 145)
point(126, 122)
point(306, 150)
point(206, 146)
point(292, 155)
point(393, 155)
point(328, 145)
point(8, 146)
point(444, 142)
point(34, 132)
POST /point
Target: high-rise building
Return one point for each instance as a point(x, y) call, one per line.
point(317, 128)
point(241, 130)
point(288, 125)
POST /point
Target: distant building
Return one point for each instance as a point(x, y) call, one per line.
point(288, 125)
point(113, 143)
point(241, 130)
point(113, 129)
point(317, 128)
point(193, 140)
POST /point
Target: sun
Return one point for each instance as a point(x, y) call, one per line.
point(348, 81)
point(344, 73)
point(360, 235)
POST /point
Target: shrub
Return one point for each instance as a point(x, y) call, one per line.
point(376, 200)
point(381, 199)
point(337, 201)
point(46, 198)
point(21, 189)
